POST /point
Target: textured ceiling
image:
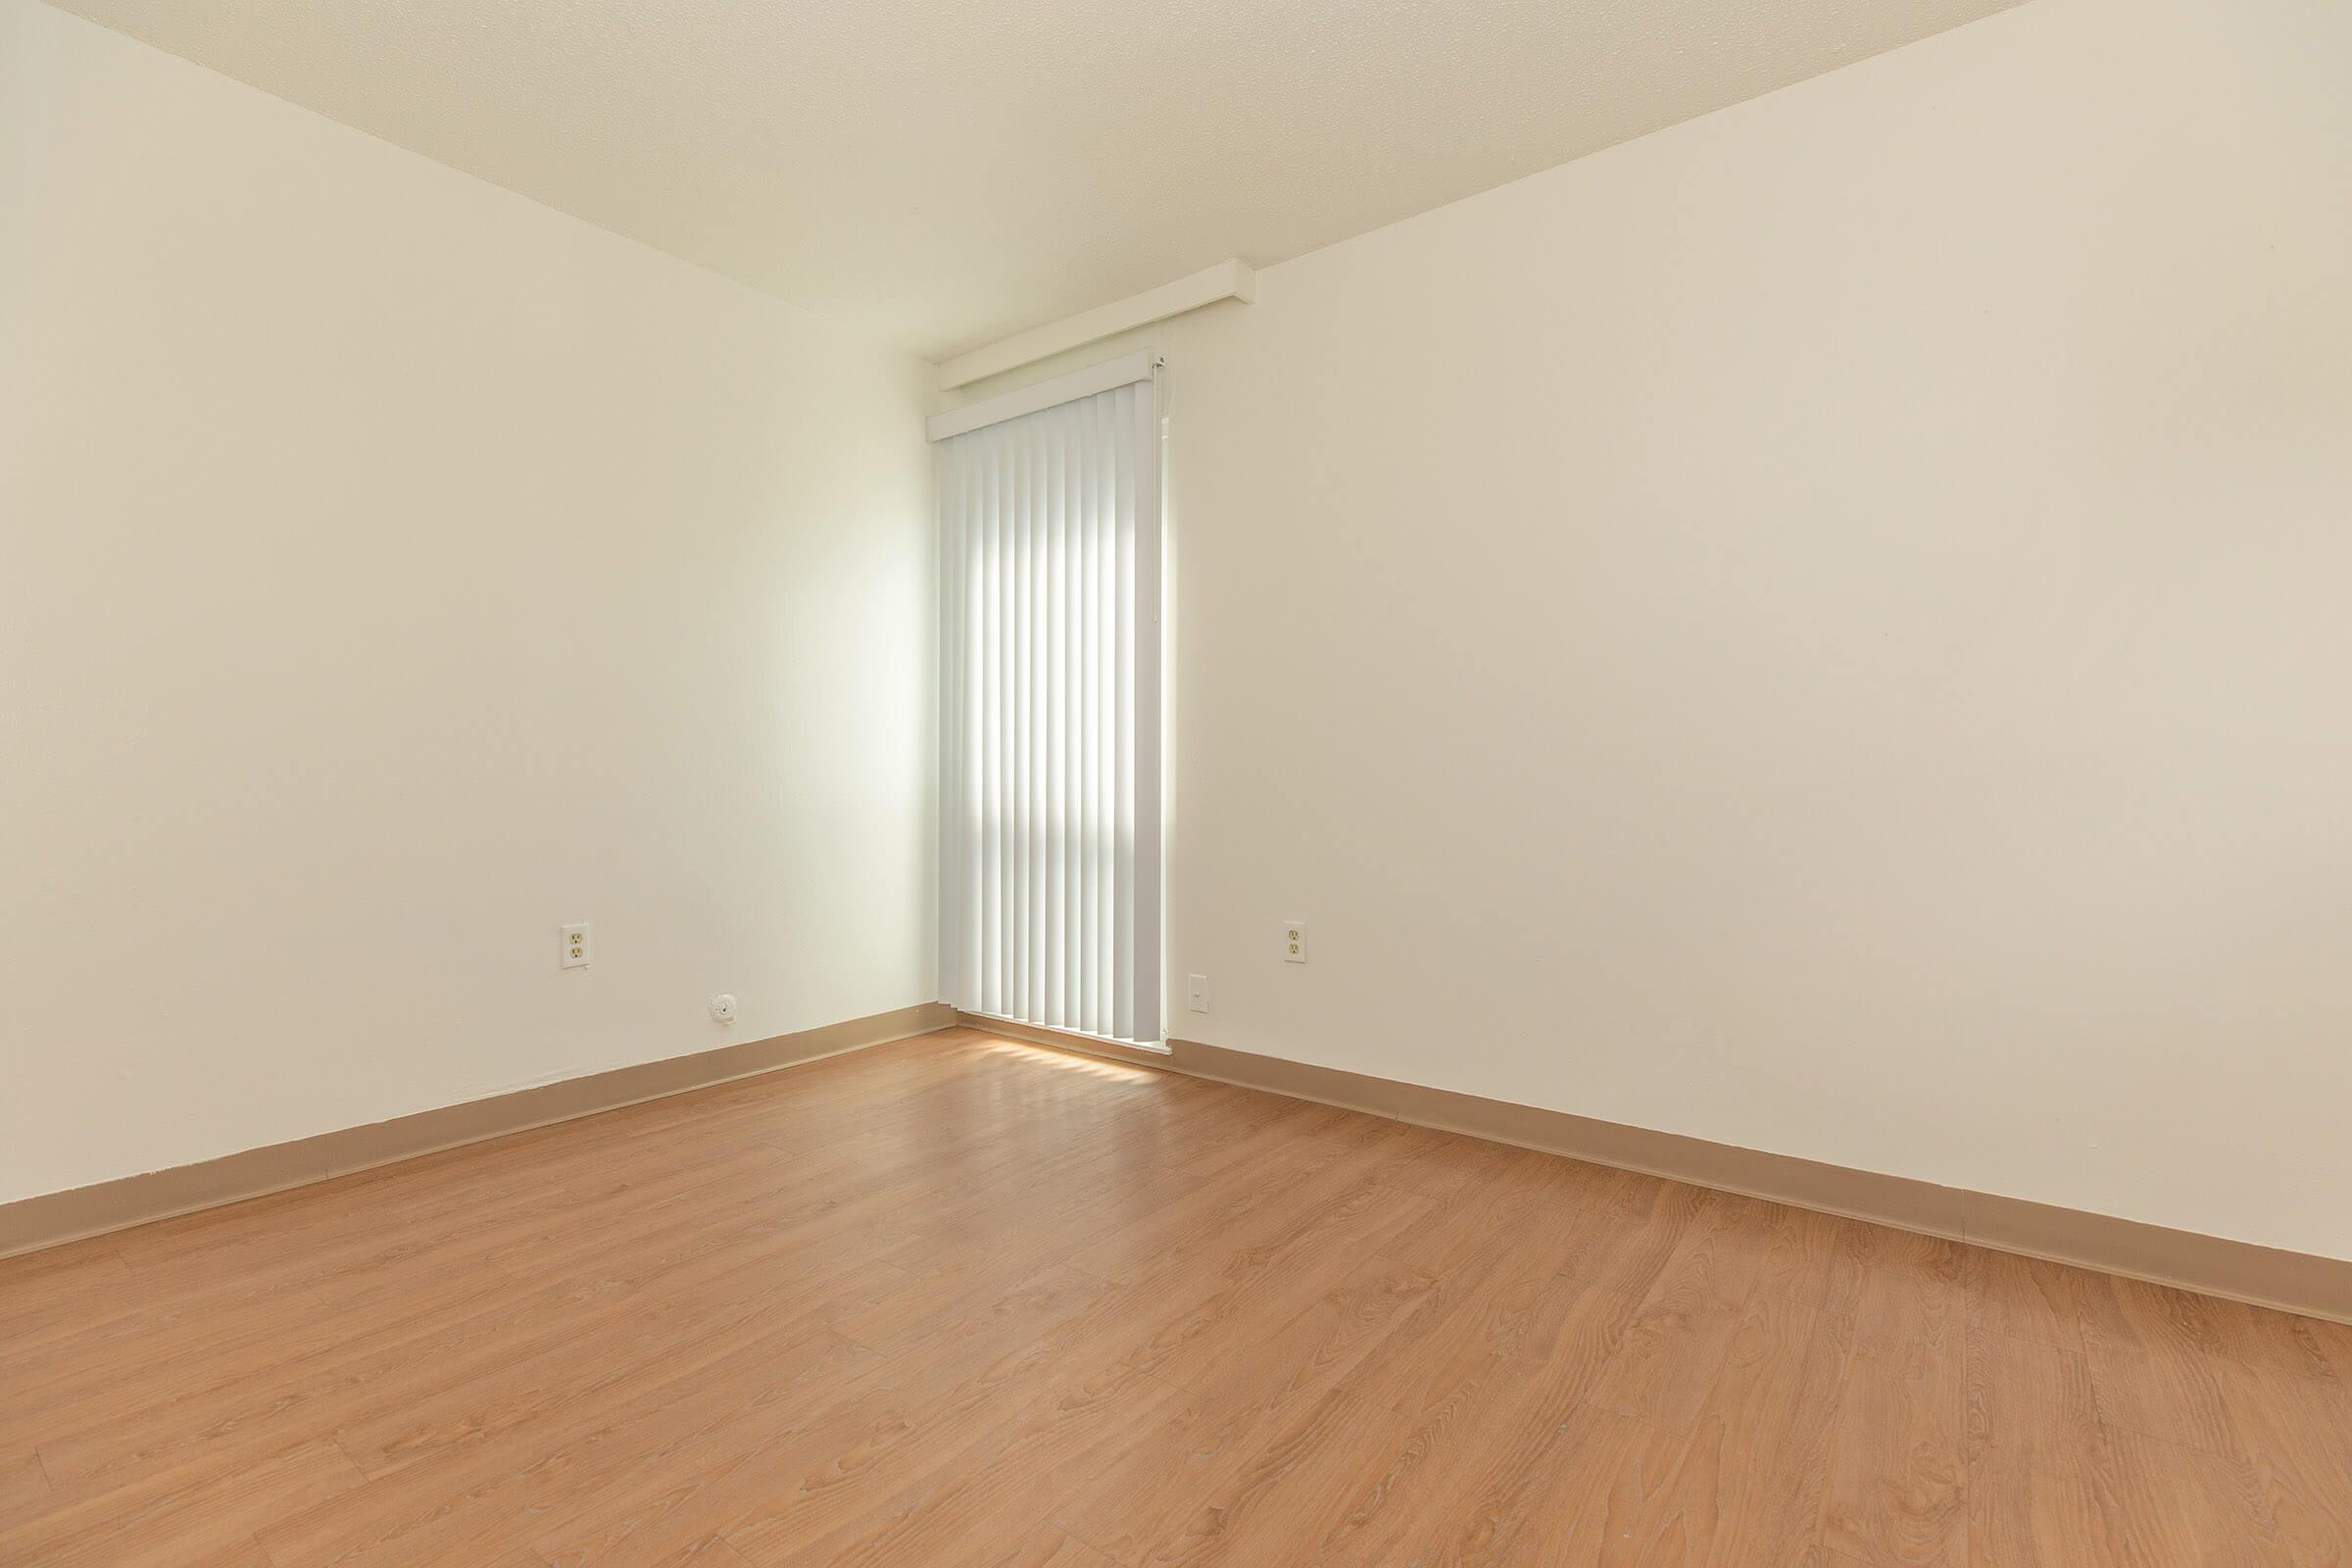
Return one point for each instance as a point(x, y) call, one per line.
point(942, 174)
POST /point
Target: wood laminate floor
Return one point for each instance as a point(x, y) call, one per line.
point(963, 1301)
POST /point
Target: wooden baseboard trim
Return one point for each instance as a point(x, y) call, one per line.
point(52, 1219)
point(2261, 1276)
point(2211, 1265)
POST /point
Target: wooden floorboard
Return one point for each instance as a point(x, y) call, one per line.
point(966, 1301)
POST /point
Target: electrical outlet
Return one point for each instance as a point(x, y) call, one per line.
point(1196, 992)
point(574, 952)
point(1294, 942)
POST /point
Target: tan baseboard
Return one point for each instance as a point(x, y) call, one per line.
point(55, 1217)
point(2294, 1282)
point(2261, 1276)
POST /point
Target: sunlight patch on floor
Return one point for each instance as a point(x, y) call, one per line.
point(1067, 1060)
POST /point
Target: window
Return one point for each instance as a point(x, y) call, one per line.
point(1050, 832)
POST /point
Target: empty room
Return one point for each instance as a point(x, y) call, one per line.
point(1038, 785)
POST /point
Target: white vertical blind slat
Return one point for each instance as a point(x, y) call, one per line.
point(1048, 697)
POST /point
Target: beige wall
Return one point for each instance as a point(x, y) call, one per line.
point(1827, 628)
point(391, 570)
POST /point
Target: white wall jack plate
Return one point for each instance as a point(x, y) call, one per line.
point(1294, 942)
point(573, 953)
point(722, 1007)
point(1196, 992)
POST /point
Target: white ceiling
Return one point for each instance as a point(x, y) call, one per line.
point(940, 173)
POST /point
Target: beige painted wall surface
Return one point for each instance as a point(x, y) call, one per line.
point(392, 569)
point(1827, 628)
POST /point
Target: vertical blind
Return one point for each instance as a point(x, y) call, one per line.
point(1050, 830)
